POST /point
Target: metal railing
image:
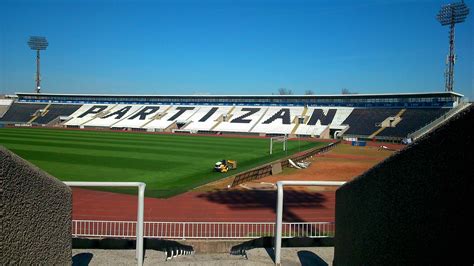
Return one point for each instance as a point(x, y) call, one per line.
point(136, 231)
point(435, 123)
point(199, 230)
point(279, 228)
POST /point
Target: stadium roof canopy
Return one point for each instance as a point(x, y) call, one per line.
point(250, 96)
point(424, 99)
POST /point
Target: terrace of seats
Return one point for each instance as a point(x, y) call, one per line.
point(56, 110)
point(363, 121)
point(4, 106)
point(412, 120)
point(111, 118)
point(21, 112)
point(272, 123)
point(151, 111)
point(243, 119)
point(174, 114)
point(206, 117)
point(341, 114)
point(79, 116)
point(3, 109)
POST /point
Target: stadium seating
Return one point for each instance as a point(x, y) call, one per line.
point(4, 106)
point(141, 117)
point(269, 120)
point(318, 120)
point(56, 110)
point(242, 119)
point(278, 120)
point(113, 115)
point(172, 115)
point(412, 119)
point(21, 112)
point(206, 118)
point(364, 121)
point(86, 113)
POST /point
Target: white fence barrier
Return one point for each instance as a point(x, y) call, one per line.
point(279, 229)
point(137, 230)
point(199, 230)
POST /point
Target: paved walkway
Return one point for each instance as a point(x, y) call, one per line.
point(314, 256)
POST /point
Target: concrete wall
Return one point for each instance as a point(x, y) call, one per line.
point(414, 208)
point(35, 214)
point(266, 169)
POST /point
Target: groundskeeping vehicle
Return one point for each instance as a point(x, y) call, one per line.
point(225, 165)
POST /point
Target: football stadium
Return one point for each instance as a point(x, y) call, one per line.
point(238, 179)
point(84, 137)
point(172, 143)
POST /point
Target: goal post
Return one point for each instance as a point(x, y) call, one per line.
point(282, 139)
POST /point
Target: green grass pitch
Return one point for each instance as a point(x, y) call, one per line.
point(168, 164)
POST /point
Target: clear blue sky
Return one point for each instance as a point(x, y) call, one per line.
point(232, 47)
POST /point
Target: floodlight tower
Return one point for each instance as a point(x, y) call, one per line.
point(451, 14)
point(38, 43)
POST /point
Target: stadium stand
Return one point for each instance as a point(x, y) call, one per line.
point(88, 112)
point(438, 121)
point(278, 120)
point(411, 120)
point(364, 121)
point(141, 117)
point(321, 118)
point(113, 116)
point(4, 105)
point(389, 117)
point(56, 110)
point(21, 112)
point(206, 118)
point(174, 114)
point(242, 119)
point(302, 121)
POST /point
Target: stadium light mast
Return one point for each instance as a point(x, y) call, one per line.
point(38, 43)
point(451, 14)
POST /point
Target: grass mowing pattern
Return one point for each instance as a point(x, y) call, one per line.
point(168, 164)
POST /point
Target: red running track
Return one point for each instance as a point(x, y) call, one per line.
point(216, 206)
